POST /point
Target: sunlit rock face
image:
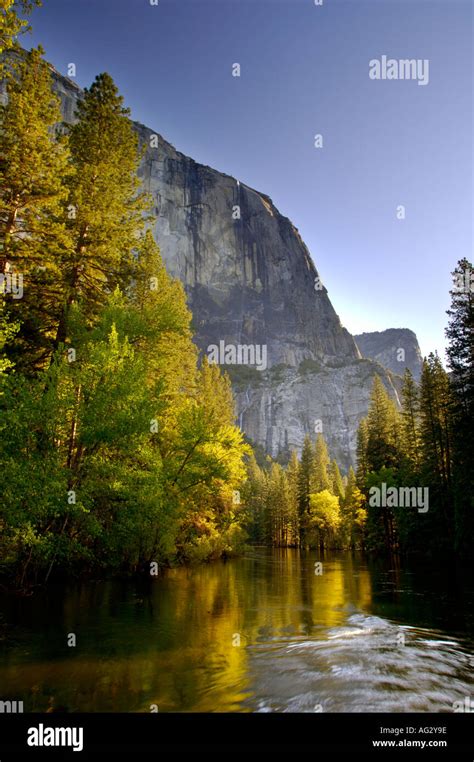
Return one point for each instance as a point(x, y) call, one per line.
point(250, 281)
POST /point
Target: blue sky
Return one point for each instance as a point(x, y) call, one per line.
point(305, 70)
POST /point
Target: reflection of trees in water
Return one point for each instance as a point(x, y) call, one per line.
point(173, 642)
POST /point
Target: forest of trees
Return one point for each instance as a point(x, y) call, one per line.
point(425, 442)
point(118, 449)
point(306, 504)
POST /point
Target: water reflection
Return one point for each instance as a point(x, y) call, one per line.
point(358, 637)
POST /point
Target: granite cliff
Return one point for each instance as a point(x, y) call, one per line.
point(250, 280)
point(395, 348)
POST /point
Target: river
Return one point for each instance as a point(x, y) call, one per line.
point(261, 633)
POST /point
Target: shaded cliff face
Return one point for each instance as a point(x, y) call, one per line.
point(250, 281)
point(247, 273)
point(395, 349)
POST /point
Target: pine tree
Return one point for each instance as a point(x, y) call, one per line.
point(12, 25)
point(255, 493)
point(460, 335)
point(33, 167)
point(337, 485)
point(320, 478)
point(410, 421)
point(304, 487)
point(460, 354)
point(362, 461)
point(33, 164)
point(409, 524)
point(381, 429)
point(292, 473)
point(278, 506)
point(436, 440)
point(383, 454)
point(435, 420)
point(105, 207)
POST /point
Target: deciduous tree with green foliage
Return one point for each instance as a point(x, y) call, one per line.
point(324, 519)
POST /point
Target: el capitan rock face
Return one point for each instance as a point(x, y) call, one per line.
point(251, 280)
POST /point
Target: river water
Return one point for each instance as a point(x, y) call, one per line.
point(260, 633)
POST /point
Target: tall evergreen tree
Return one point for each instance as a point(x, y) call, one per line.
point(436, 435)
point(460, 335)
point(292, 473)
point(381, 428)
point(305, 477)
point(337, 485)
point(435, 420)
point(33, 167)
point(460, 354)
point(320, 477)
point(105, 206)
point(255, 496)
point(278, 507)
point(382, 459)
point(362, 460)
point(410, 421)
point(13, 24)
point(33, 164)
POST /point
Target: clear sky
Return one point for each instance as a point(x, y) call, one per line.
point(305, 70)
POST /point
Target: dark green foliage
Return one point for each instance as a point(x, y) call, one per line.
point(460, 353)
